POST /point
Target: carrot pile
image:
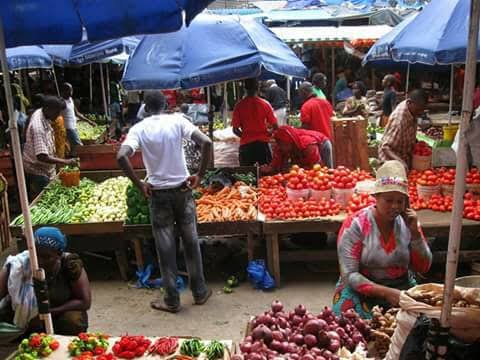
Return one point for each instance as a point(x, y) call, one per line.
point(236, 203)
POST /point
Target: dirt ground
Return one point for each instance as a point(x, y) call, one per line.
point(118, 308)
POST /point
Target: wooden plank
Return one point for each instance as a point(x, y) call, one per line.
point(276, 259)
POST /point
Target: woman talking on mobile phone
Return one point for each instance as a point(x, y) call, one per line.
point(380, 247)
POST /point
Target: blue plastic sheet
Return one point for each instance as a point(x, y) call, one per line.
point(144, 280)
point(259, 275)
point(211, 50)
point(37, 22)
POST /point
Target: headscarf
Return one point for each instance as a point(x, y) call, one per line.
point(301, 138)
point(51, 237)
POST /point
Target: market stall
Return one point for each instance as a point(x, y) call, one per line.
point(319, 200)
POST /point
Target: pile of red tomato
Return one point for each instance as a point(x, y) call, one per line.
point(428, 178)
point(274, 204)
point(422, 149)
point(471, 207)
point(358, 202)
point(473, 176)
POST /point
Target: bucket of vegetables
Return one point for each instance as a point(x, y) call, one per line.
point(422, 156)
point(70, 176)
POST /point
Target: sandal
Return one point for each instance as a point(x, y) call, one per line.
point(161, 306)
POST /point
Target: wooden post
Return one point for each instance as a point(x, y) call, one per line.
point(104, 97)
point(457, 215)
point(91, 88)
point(408, 79)
point(333, 76)
point(450, 105)
point(22, 189)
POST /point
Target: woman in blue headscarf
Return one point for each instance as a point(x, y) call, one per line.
point(68, 287)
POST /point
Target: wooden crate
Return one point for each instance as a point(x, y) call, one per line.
point(104, 157)
point(350, 142)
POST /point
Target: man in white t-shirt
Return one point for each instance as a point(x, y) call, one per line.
point(70, 115)
point(168, 187)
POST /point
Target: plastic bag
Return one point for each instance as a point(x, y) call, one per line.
point(259, 275)
point(144, 281)
point(226, 154)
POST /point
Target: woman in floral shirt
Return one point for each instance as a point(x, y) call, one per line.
point(380, 247)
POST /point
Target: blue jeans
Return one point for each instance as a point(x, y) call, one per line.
point(73, 137)
point(169, 208)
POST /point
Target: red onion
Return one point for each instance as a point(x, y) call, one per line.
point(298, 339)
point(297, 320)
point(333, 335)
point(307, 357)
point(245, 347)
point(323, 339)
point(277, 335)
point(357, 337)
point(277, 306)
point(334, 346)
point(312, 327)
point(310, 340)
point(300, 310)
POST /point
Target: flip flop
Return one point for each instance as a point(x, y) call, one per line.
point(161, 306)
point(204, 299)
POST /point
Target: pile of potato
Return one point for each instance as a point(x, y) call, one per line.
point(435, 298)
point(383, 325)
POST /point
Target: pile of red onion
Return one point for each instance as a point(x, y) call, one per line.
point(300, 335)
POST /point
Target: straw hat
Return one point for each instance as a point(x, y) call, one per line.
point(391, 176)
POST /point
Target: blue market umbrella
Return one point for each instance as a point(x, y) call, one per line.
point(38, 22)
point(380, 53)
point(87, 53)
point(213, 49)
point(28, 57)
point(437, 35)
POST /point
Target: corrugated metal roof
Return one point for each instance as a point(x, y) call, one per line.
point(229, 4)
point(329, 33)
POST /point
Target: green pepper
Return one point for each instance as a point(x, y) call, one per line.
point(227, 290)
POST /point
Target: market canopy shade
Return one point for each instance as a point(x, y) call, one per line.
point(437, 35)
point(330, 33)
point(213, 49)
point(28, 57)
point(34, 22)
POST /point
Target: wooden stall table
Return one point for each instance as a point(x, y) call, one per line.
point(137, 233)
point(433, 224)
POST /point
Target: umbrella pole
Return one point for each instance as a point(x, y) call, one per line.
point(107, 71)
point(457, 215)
point(55, 79)
point(22, 189)
point(333, 76)
point(91, 88)
point(289, 96)
point(225, 105)
point(102, 82)
point(408, 79)
point(450, 105)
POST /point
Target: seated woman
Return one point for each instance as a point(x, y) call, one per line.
point(298, 146)
point(379, 247)
point(357, 104)
point(67, 282)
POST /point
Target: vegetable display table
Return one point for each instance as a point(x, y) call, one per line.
point(433, 224)
point(90, 236)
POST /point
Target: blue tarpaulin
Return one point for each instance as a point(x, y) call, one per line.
point(211, 50)
point(28, 57)
point(37, 22)
point(437, 35)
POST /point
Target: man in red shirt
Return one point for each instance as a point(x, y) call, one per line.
point(251, 118)
point(315, 113)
